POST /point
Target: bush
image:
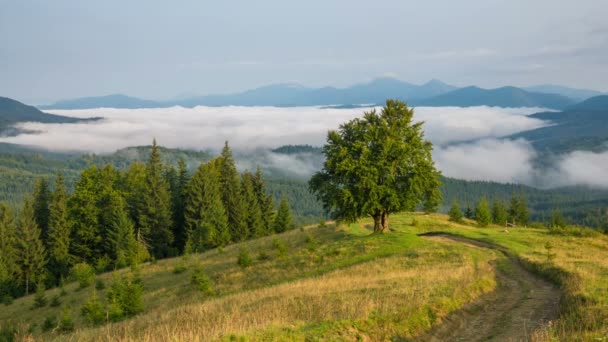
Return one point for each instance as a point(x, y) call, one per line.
point(49, 324)
point(280, 247)
point(66, 324)
point(311, 243)
point(127, 294)
point(7, 300)
point(93, 311)
point(7, 333)
point(99, 284)
point(180, 268)
point(200, 279)
point(263, 256)
point(40, 300)
point(115, 312)
point(55, 301)
point(84, 274)
point(244, 259)
point(322, 223)
point(102, 264)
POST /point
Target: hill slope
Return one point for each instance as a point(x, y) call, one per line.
point(108, 101)
point(573, 93)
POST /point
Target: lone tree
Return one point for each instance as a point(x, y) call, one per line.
point(377, 165)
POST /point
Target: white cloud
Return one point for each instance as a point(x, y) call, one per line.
point(580, 168)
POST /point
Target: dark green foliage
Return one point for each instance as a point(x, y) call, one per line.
point(282, 220)
point(263, 256)
point(557, 220)
point(322, 223)
point(84, 274)
point(10, 271)
point(255, 224)
point(40, 299)
point(244, 259)
point(499, 213)
point(32, 255)
point(66, 323)
point(93, 310)
point(99, 284)
point(377, 165)
point(265, 201)
point(180, 268)
point(6, 299)
point(121, 244)
point(86, 240)
point(205, 216)
point(482, 213)
point(55, 301)
point(8, 332)
point(311, 243)
point(59, 231)
point(49, 324)
point(178, 186)
point(518, 210)
point(155, 218)
point(280, 247)
point(202, 282)
point(455, 213)
point(469, 212)
point(232, 196)
point(41, 207)
point(126, 293)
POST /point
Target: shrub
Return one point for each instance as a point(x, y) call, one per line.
point(84, 274)
point(280, 247)
point(49, 324)
point(127, 294)
point(93, 311)
point(99, 284)
point(311, 243)
point(40, 300)
point(55, 301)
point(7, 300)
point(7, 333)
point(115, 312)
point(180, 268)
point(263, 256)
point(62, 291)
point(322, 223)
point(200, 279)
point(102, 264)
point(66, 324)
point(244, 259)
point(574, 231)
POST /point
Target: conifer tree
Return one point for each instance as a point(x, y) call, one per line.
point(469, 213)
point(482, 213)
point(134, 185)
point(155, 218)
point(557, 219)
point(83, 214)
point(514, 208)
point(523, 213)
point(255, 224)
point(9, 254)
point(205, 217)
point(231, 196)
point(59, 230)
point(455, 213)
point(282, 221)
point(121, 244)
point(32, 255)
point(41, 207)
point(499, 213)
point(264, 200)
point(178, 189)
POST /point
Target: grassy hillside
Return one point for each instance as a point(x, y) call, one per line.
point(339, 283)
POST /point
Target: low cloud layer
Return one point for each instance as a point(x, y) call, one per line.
point(252, 127)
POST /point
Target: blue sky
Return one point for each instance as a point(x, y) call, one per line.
point(160, 49)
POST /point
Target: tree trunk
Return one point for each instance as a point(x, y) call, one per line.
point(384, 221)
point(377, 222)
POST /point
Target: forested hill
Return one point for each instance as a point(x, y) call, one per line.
point(12, 112)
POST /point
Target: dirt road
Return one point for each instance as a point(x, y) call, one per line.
point(521, 304)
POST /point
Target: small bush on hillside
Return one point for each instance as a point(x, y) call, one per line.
point(115, 312)
point(7, 332)
point(62, 291)
point(415, 222)
point(263, 256)
point(93, 310)
point(180, 268)
point(280, 247)
point(40, 300)
point(550, 254)
point(84, 274)
point(127, 294)
point(322, 223)
point(311, 243)
point(55, 301)
point(202, 282)
point(99, 284)
point(49, 324)
point(455, 213)
point(66, 323)
point(574, 231)
point(102, 264)
point(244, 259)
point(7, 300)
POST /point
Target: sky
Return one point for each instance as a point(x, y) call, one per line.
point(60, 49)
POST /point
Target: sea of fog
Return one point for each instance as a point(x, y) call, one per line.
point(468, 141)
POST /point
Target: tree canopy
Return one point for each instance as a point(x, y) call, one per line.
point(378, 164)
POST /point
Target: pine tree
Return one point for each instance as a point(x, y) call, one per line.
point(282, 221)
point(9, 254)
point(231, 196)
point(514, 208)
point(155, 218)
point(83, 214)
point(557, 219)
point(523, 214)
point(264, 200)
point(32, 255)
point(204, 216)
point(499, 213)
point(133, 185)
point(255, 224)
point(59, 230)
point(482, 213)
point(121, 244)
point(469, 213)
point(41, 207)
point(178, 189)
point(455, 213)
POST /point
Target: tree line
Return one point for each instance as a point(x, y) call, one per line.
point(115, 219)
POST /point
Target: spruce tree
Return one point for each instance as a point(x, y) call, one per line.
point(455, 213)
point(264, 200)
point(32, 255)
point(499, 213)
point(9, 254)
point(155, 218)
point(178, 189)
point(231, 196)
point(83, 212)
point(133, 185)
point(59, 231)
point(282, 221)
point(41, 207)
point(482, 213)
point(205, 218)
point(514, 208)
point(121, 244)
point(557, 219)
point(469, 213)
point(523, 214)
point(255, 224)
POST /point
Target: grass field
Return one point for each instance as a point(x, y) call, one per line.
point(338, 283)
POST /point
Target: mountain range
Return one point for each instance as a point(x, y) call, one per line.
point(432, 93)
